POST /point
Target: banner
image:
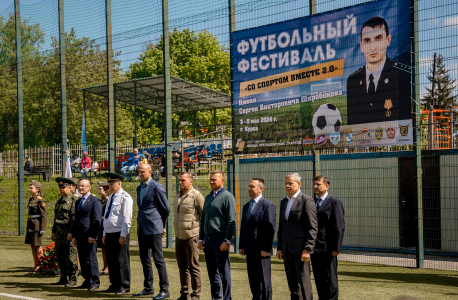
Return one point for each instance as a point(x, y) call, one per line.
point(83, 133)
point(335, 80)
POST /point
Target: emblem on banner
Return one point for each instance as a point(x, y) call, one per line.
point(320, 140)
point(390, 132)
point(307, 141)
point(388, 105)
point(365, 134)
point(379, 133)
point(349, 137)
point(335, 138)
point(404, 129)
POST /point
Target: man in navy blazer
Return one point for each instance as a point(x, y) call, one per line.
point(256, 236)
point(88, 217)
point(328, 244)
point(153, 210)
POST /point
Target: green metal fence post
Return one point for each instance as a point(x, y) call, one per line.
point(111, 103)
point(63, 83)
point(238, 205)
point(20, 115)
point(420, 251)
point(316, 163)
point(168, 115)
point(231, 7)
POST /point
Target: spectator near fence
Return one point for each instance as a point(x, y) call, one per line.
point(85, 165)
point(75, 163)
point(132, 164)
point(28, 166)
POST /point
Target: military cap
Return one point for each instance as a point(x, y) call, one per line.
point(35, 183)
point(112, 176)
point(63, 180)
point(102, 183)
point(75, 181)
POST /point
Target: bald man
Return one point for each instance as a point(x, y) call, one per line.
point(153, 210)
point(88, 217)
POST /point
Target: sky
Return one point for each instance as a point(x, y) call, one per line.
point(136, 22)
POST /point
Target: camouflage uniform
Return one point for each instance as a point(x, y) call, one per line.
point(64, 216)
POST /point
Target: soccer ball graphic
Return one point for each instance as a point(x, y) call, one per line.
point(326, 120)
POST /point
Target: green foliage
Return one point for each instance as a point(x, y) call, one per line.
point(197, 58)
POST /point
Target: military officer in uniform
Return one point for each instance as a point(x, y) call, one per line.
point(36, 222)
point(74, 187)
point(64, 217)
point(117, 219)
point(379, 91)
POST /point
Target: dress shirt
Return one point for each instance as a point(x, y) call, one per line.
point(322, 199)
point(216, 193)
point(256, 200)
point(84, 198)
point(120, 217)
point(143, 189)
point(290, 204)
point(377, 73)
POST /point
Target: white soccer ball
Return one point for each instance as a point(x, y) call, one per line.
point(326, 120)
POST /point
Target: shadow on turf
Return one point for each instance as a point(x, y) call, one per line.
point(435, 279)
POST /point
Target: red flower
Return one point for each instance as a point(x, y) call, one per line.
point(47, 267)
point(56, 267)
point(51, 257)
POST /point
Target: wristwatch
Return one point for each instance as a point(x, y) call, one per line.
point(228, 241)
point(308, 249)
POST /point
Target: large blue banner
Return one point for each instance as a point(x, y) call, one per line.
point(336, 80)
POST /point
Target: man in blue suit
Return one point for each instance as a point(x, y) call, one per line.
point(328, 244)
point(256, 236)
point(88, 217)
point(153, 210)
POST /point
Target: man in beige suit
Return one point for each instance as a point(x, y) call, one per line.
point(187, 211)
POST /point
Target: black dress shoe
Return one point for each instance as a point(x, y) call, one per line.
point(161, 295)
point(60, 282)
point(93, 287)
point(70, 284)
point(122, 291)
point(145, 292)
point(109, 290)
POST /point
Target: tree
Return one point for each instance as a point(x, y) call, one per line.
point(198, 58)
point(444, 87)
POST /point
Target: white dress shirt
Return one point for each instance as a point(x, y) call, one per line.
point(256, 200)
point(290, 204)
point(322, 199)
point(120, 217)
point(377, 73)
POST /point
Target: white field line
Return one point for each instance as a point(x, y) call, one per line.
point(19, 297)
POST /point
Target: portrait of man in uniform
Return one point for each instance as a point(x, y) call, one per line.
point(379, 91)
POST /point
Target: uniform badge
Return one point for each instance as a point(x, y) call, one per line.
point(379, 133)
point(388, 105)
point(68, 202)
point(360, 82)
point(386, 80)
point(43, 204)
point(349, 137)
point(390, 132)
point(404, 129)
point(365, 134)
point(320, 140)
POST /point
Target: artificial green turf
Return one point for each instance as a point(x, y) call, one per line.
point(357, 281)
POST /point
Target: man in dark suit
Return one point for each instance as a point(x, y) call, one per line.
point(256, 236)
point(88, 217)
point(296, 237)
point(331, 226)
point(153, 210)
point(379, 91)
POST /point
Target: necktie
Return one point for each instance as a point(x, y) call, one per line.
point(250, 208)
point(82, 202)
point(371, 85)
point(213, 195)
point(109, 207)
point(317, 202)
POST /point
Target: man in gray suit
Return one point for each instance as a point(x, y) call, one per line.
point(153, 210)
point(296, 237)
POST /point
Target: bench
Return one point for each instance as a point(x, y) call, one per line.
point(41, 170)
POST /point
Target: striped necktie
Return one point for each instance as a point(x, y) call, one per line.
point(250, 208)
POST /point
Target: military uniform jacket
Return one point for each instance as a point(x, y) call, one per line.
point(391, 100)
point(64, 213)
point(37, 215)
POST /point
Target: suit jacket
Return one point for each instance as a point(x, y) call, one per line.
point(154, 210)
point(257, 232)
point(88, 218)
point(331, 225)
point(394, 84)
point(299, 231)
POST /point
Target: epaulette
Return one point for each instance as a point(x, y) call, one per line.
point(39, 197)
point(357, 71)
point(93, 195)
point(402, 67)
point(76, 196)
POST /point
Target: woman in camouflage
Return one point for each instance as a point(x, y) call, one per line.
point(36, 222)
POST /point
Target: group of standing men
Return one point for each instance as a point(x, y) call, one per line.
point(309, 230)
